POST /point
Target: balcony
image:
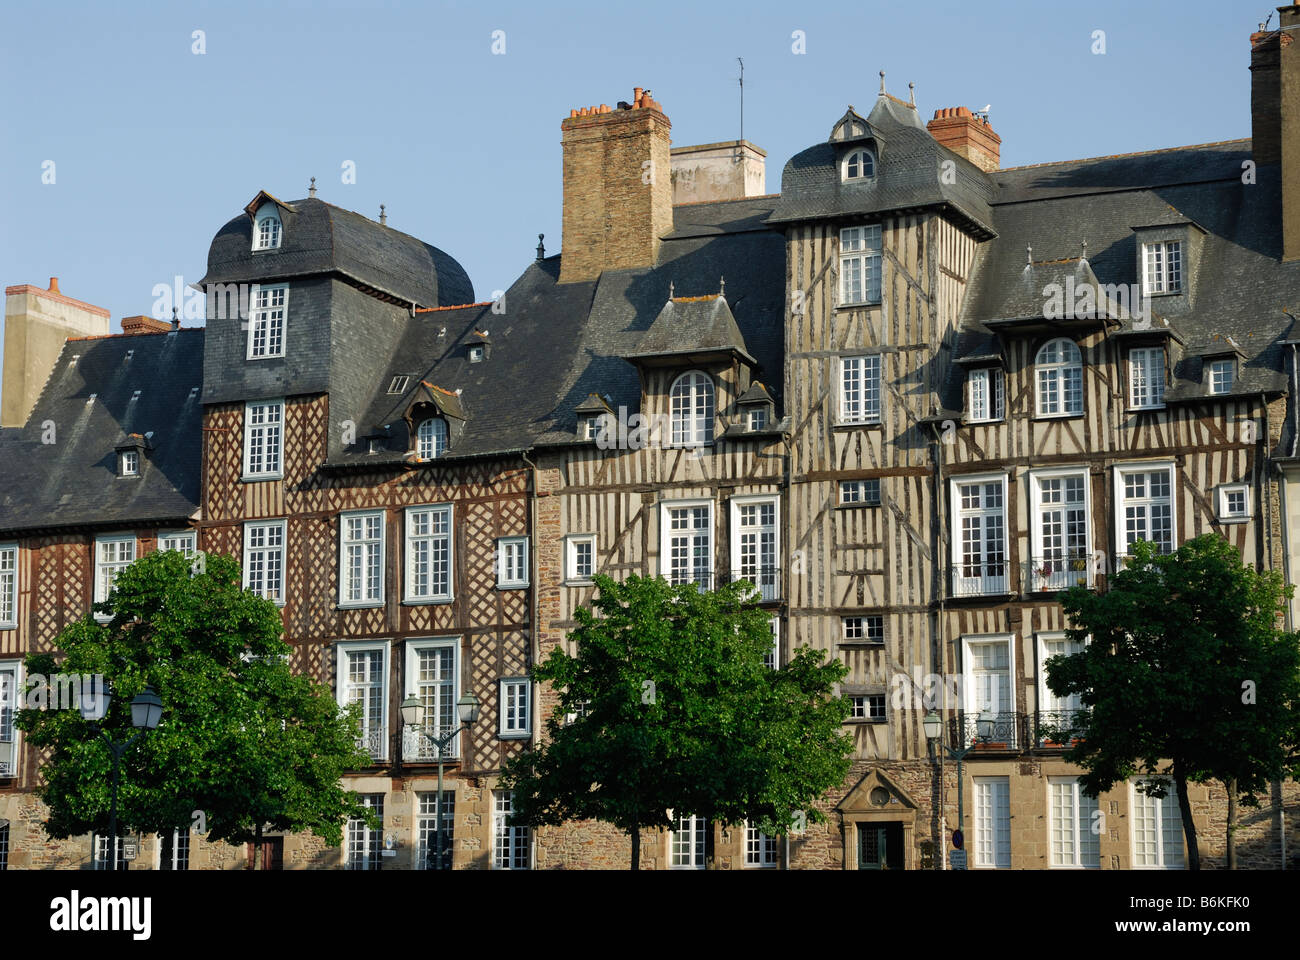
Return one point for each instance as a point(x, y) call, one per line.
point(767, 579)
point(980, 579)
point(1053, 574)
point(418, 748)
point(1059, 729)
point(372, 741)
point(1008, 732)
point(701, 578)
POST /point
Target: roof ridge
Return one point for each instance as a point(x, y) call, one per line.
point(1117, 156)
point(455, 306)
point(696, 203)
point(141, 333)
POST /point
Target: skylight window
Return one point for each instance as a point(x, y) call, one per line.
point(399, 384)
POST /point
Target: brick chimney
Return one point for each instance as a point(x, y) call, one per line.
point(1275, 114)
point(618, 199)
point(968, 135)
point(145, 324)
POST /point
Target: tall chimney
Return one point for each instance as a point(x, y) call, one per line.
point(1275, 114)
point(967, 135)
point(617, 187)
point(731, 170)
point(37, 321)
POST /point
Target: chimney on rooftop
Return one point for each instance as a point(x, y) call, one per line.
point(968, 135)
point(731, 170)
point(144, 324)
point(1275, 114)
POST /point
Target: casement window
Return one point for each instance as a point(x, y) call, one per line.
point(100, 854)
point(361, 559)
point(755, 544)
point(864, 629)
point(979, 536)
point(580, 557)
point(511, 846)
point(174, 850)
point(1059, 369)
point(512, 562)
point(267, 229)
point(427, 821)
point(689, 843)
point(1051, 708)
point(772, 659)
point(128, 463)
point(365, 850)
point(985, 395)
point(760, 849)
point(858, 165)
point(686, 543)
point(860, 265)
point(757, 418)
point(4, 846)
point(1061, 530)
point(867, 707)
point(859, 493)
point(1157, 827)
point(1162, 267)
point(363, 679)
point(514, 707)
point(112, 556)
point(1234, 502)
point(264, 559)
point(591, 427)
point(1144, 506)
point(11, 689)
point(987, 671)
point(8, 586)
point(690, 403)
point(476, 354)
point(263, 439)
point(428, 554)
point(993, 822)
point(1072, 823)
point(1220, 376)
point(266, 318)
point(1146, 378)
point(431, 438)
point(860, 389)
point(433, 677)
point(181, 541)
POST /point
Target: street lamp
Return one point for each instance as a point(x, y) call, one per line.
point(146, 712)
point(933, 727)
point(412, 713)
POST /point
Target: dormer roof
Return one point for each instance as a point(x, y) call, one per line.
point(692, 328)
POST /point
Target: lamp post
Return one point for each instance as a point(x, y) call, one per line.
point(412, 715)
point(933, 726)
point(146, 711)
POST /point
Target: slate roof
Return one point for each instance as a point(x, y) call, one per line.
point(73, 481)
point(690, 326)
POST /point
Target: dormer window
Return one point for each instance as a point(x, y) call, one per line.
point(1220, 376)
point(128, 463)
point(1162, 267)
point(431, 438)
point(591, 427)
point(475, 354)
point(757, 418)
point(266, 228)
point(691, 402)
point(859, 165)
point(985, 395)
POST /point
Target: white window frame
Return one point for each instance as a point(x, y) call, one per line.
point(693, 848)
point(692, 409)
point(571, 544)
point(184, 542)
point(1146, 378)
point(1166, 809)
point(866, 166)
point(991, 842)
point(278, 598)
point(1221, 375)
point(1058, 375)
point(371, 840)
point(409, 594)
point(761, 851)
point(434, 441)
point(772, 659)
point(9, 555)
point(427, 823)
point(415, 746)
point(1162, 267)
point(1118, 472)
point(1074, 834)
point(514, 693)
point(1062, 573)
point(756, 418)
point(507, 578)
point(99, 852)
point(767, 576)
point(271, 242)
point(860, 258)
point(986, 390)
point(11, 750)
point(1047, 701)
point(1225, 515)
point(863, 404)
point(853, 493)
point(177, 834)
point(862, 707)
point(591, 426)
point(344, 650)
point(129, 463)
point(508, 841)
point(268, 449)
point(262, 321)
point(982, 583)
point(973, 702)
point(666, 536)
point(102, 592)
point(371, 549)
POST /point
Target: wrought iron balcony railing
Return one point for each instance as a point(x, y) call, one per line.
point(702, 578)
point(1008, 732)
point(767, 579)
point(980, 579)
point(372, 741)
point(417, 747)
point(1059, 729)
point(8, 758)
point(1057, 572)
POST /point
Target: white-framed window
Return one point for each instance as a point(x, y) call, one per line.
point(979, 535)
point(433, 677)
point(476, 354)
point(361, 558)
point(868, 628)
point(511, 846)
point(757, 418)
point(129, 463)
point(1073, 825)
point(986, 394)
point(1144, 506)
point(267, 228)
point(101, 854)
point(1059, 368)
point(363, 679)
point(1162, 267)
point(431, 438)
point(1234, 502)
point(113, 554)
point(760, 849)
point(860, 389)
point(1061, 525)
point(993, 822)
point(591, 426)
point(690, 402)
point(174, 850)
point(688, 843)
point(8, 586)
point(1146, 378)
point(11, 687)
point(772, 659)
point(182, 541)
point(512, 562)
point(365, 850)
point(1220, 375)
point(1157, 828)
point(428, 553)
point(263, 439)
point(860, 265)
point(514, 707)
point(987, 664)
point(264, 559)
point(580, 557)
point(859, 493)
point(867, 706)
point(686, 542)
point(1052, 644)
point(426, 828)
point(266, 318)
point(755, 544)
point(859, 164)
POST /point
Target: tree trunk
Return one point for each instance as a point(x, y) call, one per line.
point(1231, 786)
point(1185, 808)
point(636, 847)
point(257, 846)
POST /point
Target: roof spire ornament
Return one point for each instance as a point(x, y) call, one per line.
point(541, 248)
point(882, 83)
point(311, 191)
point(1084, 243)
point(670, 289)
point(722, 287)
point(383, 217)
point(912, 92)
point(1029, 255)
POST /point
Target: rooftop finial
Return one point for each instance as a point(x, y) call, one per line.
point(541, 248)
point(1029, 255)
point(383, 217)
point(912, 92)
point(1084, 243)
point(670, 289)
point(722, 287)
point(311, 191)
point(882, 83)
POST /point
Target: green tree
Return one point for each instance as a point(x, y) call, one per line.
point(1185, 672)
point(669, 706)
point(242, 739)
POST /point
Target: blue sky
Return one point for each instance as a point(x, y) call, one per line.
point(155, 147)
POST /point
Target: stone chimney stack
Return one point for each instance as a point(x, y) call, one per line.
point(144, 324)
point(1275, 114)
point(731, 170)
point(37, 321)
point(968, 135)
point(618, 200)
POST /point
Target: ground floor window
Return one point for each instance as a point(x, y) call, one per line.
point(365, 845)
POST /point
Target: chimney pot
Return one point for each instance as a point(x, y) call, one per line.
point(54, 284)
point(967, 135)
